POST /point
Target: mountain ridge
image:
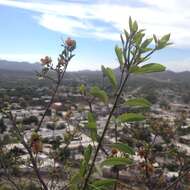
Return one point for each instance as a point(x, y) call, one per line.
point(19, 66)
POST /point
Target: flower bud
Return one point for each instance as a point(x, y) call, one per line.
point(71, 44)
point(114, 151)
point(37, 146)
point(46, 61)
point(36, 143)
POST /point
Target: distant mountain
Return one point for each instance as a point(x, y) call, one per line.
point(18, 66)
point(26, 69)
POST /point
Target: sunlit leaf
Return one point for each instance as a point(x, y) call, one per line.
point(130, 117)
point(138, 102)
point(123, 147)
point(146, 43)
point(111, 76)
point(103, 184)
point(119, 54)
point(87, 153)
point(115, 161)
point(135, 26)
point(92, 126)
point(82, 89)
point(130, 24)
point(101, 94)
point(163, 42)
point(148, 68)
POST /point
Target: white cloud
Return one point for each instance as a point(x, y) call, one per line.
point(178, 65)
point(32, 58)
point(159, 16)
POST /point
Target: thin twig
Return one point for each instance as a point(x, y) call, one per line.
point(32, 159)
point(104, 132)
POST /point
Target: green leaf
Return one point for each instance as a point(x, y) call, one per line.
point(91, 121)
point(126, 34)
point(130, 117)
point(148, 68)
point(130, 24)
point(87, 153)
point(163, 42)
point(138, 37)
point(133, 69)
point(103, 183)
point(111, 76)
point(146, 43)
point(83, 167)
point(135, 26)
point(139, 102)
point(76, 179)
point(123, 148)
point(92, 126)
point(165, 38)
point(82, 89)
point(115, 161)
point(101, 94)
point(145, 50)
point(119, 54)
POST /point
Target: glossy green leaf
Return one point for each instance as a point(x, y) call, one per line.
point(148, 68)
point(133, 69)
point(103, 183)
point(82, 89)
point(145, 50)
point(91, 121)
point(163, 42)
point(75, 180)
point(165, 38)
point(101, 94)
point(92, 126)
point(135, 26)
point(111, 76)
point(130, 117)
point(123, 148)
point(146, 43)
point(126, 34)
point(130, 24)
point(138, 38)
point(83, 167)
point(119, 54)
point(115, 161)
point(138, 102)
point(87, 153)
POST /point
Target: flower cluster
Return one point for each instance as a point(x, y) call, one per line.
point(70, 44)
point(36, 143)
point(46, 61)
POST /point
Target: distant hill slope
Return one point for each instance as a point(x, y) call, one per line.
point(11, 70)
point(18, 66)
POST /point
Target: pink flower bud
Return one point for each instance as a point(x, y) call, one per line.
point(71, 44)
point(45, 61)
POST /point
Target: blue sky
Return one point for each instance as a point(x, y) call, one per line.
point(31, 29)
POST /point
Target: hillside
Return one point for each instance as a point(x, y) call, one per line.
point(17, 74)
point(18, 66)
